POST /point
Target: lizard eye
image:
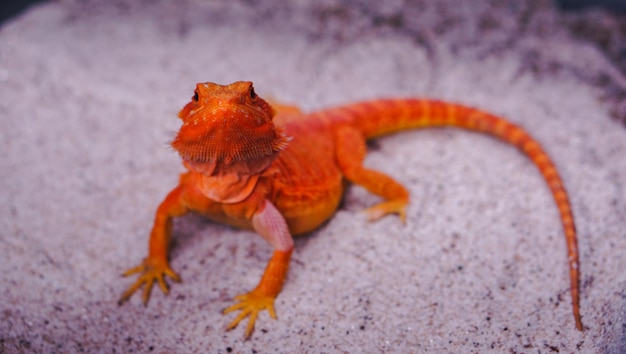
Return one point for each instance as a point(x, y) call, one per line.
point(253, 94)
point(195, 96)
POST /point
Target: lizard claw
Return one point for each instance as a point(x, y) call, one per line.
point(390, 207)
point(250, 305)
point(150, 271)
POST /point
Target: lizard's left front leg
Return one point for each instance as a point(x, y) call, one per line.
point(270, 224)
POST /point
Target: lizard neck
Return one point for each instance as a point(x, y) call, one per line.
point(227, 189)
point(228, 183)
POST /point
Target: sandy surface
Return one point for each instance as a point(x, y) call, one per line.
point(88, 97)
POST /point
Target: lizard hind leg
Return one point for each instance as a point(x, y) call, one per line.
point(350, 153)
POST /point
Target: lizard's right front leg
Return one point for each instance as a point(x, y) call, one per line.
point(155, 267)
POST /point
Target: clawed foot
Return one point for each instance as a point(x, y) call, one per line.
point(150, 271)
point(251, 304)
point(391, 207)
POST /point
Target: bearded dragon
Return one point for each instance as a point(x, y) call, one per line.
point(281, 173)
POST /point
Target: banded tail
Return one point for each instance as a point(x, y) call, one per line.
point(381, 117)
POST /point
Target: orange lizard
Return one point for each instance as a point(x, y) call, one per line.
point(281, 173)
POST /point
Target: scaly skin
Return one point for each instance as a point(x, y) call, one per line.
point(282, 175)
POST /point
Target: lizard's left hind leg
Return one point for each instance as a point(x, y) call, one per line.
point(350, 153)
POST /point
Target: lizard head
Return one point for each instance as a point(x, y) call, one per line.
point(225, 125)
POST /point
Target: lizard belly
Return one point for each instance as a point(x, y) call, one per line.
point(307, 185)
point(307, 210)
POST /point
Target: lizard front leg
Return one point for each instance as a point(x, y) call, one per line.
point(350, 153)
point(270, 224)
point(155, 267)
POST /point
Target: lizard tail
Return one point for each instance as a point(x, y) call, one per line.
point(377, 118)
